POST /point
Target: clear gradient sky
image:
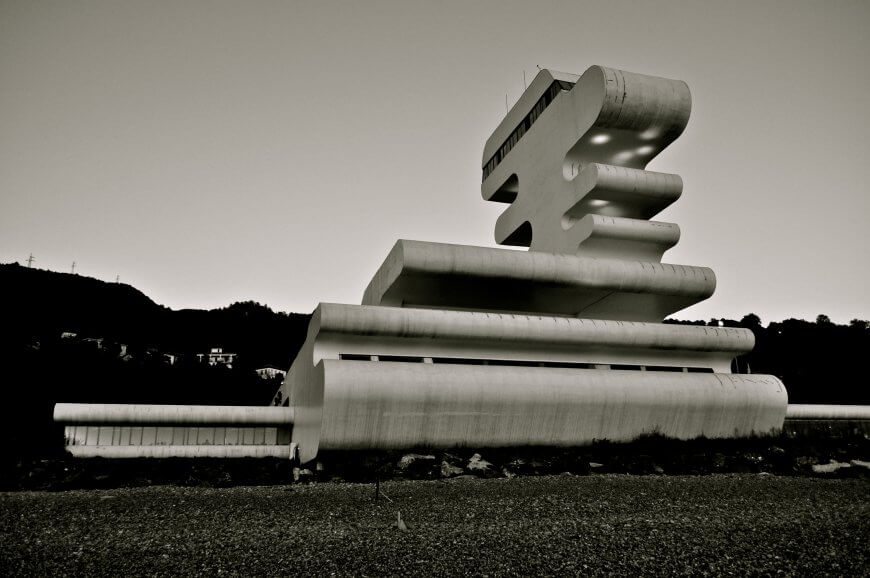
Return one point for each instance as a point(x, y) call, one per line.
point(209, 152)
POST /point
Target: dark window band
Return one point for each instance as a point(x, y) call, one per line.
point(518, 363)
point(527, 122)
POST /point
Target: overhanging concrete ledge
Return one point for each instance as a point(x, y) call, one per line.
point(439, 275)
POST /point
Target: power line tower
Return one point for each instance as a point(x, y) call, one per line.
point(117, 278)
point(73, 269)
point(30, 260)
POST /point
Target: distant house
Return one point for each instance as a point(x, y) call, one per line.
point(270, 372)
point(217, 356)
point(95, 341)
point(68, 335)
point(170, 358)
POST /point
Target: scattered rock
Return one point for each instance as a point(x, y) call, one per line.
point(448, 470)
point(302, 475)
point(408, 460)
point(399, 523)
point(479, 466)
point(417, 466)
point(830, 468)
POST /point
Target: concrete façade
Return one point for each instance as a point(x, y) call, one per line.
point(388, 377)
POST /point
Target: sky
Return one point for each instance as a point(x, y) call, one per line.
point(208, 152)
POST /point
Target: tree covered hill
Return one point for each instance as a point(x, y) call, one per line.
point(41, 305)
point(819, 362)
point(69, 338)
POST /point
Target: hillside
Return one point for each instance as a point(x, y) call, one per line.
point(40, 305)
point(77, 339)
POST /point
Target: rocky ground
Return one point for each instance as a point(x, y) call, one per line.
point(743, 524)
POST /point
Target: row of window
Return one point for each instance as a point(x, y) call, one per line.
point(527, 122)
point(516, 363)
point(89, 435)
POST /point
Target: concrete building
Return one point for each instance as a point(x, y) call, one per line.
point(217, 356)
point(559, 345)
point(270, 372)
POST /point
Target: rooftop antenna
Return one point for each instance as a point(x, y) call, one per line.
point(73, 269)
point(30, 260)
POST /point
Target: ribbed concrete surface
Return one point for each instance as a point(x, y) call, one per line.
point(394, 405)
point(277, 451)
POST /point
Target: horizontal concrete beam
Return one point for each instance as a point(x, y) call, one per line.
point(278, 451)
point(511, 329)
point(620, 238)
point(442, 276)
point(372, 330)
point(190, 415)
point(824, 411)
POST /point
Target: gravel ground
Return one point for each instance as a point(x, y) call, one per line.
point(601, 524)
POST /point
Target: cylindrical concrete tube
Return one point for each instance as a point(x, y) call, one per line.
point(358, 405)
point(821, 411)
point(128, 414)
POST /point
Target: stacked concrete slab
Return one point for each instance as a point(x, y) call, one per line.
point(562, 344)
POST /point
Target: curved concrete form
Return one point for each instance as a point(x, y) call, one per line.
point(620, 192)
point(510, 328)
point(357, 404)
point(583, 153)
point(338, 330)
point(420, 274)
point(140, 414)
point(828, 412)
point(619, 238)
